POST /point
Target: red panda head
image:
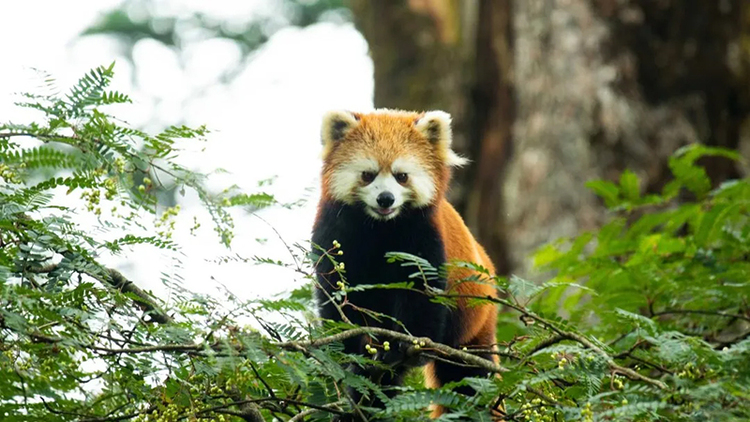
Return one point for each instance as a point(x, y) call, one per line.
point(387, 159)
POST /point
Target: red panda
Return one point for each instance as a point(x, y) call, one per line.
point(384, 179)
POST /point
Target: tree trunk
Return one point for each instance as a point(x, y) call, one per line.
point(605, 85)
point(455, 56)
point(549, 94)
point(492, 109)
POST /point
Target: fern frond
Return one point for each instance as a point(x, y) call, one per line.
point(40, 157)
point(89, 90)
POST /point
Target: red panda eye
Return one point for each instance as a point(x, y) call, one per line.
point(402, 177)
point(368, 176)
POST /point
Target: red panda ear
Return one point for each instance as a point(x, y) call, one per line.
point(336, 124)
point(436, 127)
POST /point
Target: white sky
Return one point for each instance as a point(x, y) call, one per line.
point(265, 123)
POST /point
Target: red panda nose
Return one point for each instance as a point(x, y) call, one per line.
point(386, 199)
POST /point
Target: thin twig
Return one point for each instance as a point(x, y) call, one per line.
point(114, 278)
point(702, 312)
point(113, 418)
point(568, 335)
point(257, 375)
point(543, 396)
point(546, 343)
point(302, 415)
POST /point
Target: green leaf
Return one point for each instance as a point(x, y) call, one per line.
point(713, 221)
point(629, 186)
point(688, 174)
point(607, 190)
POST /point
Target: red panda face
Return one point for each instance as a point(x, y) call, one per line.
point(387, 160)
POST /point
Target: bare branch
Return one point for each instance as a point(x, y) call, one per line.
point(395, 335)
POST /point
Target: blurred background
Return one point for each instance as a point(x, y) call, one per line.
point(545, 95)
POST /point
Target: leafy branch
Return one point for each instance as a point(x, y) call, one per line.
point(643, 319)
point(567, 335)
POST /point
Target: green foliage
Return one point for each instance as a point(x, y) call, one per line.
point(62, 311)
point(644, 319)
point(667, 292)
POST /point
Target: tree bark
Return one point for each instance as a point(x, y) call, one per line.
point(455, 56)
point(492, 110)
point(549, 94)
point(605, 85)
point(417, 50)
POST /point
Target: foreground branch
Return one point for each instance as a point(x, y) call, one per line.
point(144, 300)
point(443, 349)
point(395, 335)
point(569, 335)
point(200, 349)
point(114, 278)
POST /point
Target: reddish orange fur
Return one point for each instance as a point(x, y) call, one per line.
point(478, 321)
point(385, 136)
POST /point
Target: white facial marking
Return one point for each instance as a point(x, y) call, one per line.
point(384, 182)
point(347, 185)
point(347, 177)
point(422, 186)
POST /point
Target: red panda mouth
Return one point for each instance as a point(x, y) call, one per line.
point(385, 211)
